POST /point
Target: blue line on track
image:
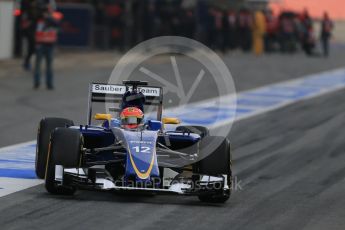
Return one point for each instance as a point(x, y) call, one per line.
point(18, 173)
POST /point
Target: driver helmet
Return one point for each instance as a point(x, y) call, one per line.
point(131, 118)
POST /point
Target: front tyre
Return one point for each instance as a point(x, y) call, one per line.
point(66, 150)
point(216, 163)
point(46, 126)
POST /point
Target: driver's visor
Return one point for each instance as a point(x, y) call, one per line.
point(130, 120)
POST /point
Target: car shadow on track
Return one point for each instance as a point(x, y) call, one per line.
point(102, 196)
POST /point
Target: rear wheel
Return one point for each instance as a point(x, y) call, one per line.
point(65, 150)
point(46, 126)
point(215, 164)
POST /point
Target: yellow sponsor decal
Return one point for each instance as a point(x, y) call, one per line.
point(49, 150)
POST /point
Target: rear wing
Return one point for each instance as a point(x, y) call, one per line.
point(113, 93)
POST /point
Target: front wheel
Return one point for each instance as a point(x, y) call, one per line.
point(216, 163)
point(45, 128)
point(65, 150)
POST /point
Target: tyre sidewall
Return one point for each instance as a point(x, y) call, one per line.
point(45, 128)
point(65, 150)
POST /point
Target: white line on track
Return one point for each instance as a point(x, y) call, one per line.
point(16, 146)
point(11, 185)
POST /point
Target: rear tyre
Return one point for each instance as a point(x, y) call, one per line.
point(201, 130)
point(65, 149)
point(216, 163)
point(46, 126)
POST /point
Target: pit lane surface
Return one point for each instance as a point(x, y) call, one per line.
point(289, 162)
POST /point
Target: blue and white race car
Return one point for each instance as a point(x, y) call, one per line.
point(128, 153)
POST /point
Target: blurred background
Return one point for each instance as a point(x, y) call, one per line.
point(224, 25)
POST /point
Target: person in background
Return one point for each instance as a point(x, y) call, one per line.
point(259, 29)
point(230, 36)
point(202, 22)
point(326, 33)
point(218, 29)
point(244, 29)
point(271, 31)
point(287, 33)
point(188, 23)
point(28, 26)
point(211, 29)
point(149, 15)
point(215, 28)
point(46, 37)
point(308, 39)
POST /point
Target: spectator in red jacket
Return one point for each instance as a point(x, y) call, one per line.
point(46, 37)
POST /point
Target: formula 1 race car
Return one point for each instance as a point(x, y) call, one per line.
point(127, 152)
